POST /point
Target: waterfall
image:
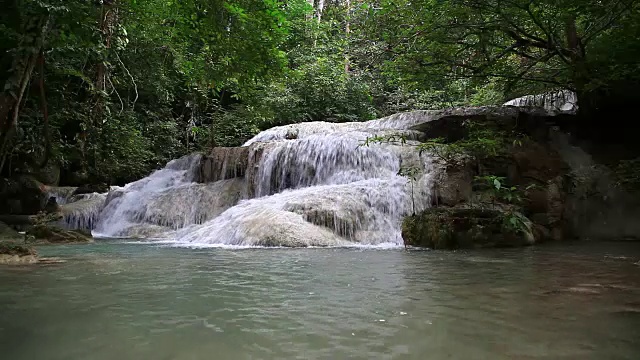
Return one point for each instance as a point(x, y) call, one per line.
point(561, 101)
point(166, 200)
point(308, 184)
point(79, 211)
point(82, 211)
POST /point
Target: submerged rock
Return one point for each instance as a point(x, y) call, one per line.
point(458, 228)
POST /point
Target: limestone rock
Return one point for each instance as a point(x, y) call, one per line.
point(456, 228)
point(82, 211)
point(17, 259)
point(448, 123)
point(16, 254)
point(455, 185)
point(224, 163)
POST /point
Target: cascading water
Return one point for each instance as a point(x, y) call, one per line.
point(310, 184)
point(166, 200)
point(82, 211)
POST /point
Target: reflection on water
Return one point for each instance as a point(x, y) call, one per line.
point(124, 301)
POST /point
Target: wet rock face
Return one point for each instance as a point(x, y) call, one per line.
point(463, 228)
point(531, 165)
point(454, 185)
point(224, 163)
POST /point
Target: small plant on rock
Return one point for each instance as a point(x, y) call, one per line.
point(411, 173)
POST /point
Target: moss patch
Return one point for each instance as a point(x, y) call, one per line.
point(456, 228)
point(8, 248)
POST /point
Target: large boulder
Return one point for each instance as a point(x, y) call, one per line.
point(450, 124)
point(460, 228)
point(52, 234)
point(454, 184)
point(597, 207)
point(528, 162)
point(49, 175)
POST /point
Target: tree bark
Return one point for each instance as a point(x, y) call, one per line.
point(579, 70)
point(347, 31)
point(45, 114)
point(10, 100)
point(319, 10)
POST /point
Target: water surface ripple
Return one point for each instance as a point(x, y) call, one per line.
point(124, 301)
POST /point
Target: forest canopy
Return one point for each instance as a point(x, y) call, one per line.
point(110, 90)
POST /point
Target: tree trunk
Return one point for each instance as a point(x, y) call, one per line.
point(34, 35)
point(45, 113)
point(107, 23)
point(579, 69)
point(347, 31)
point(312, 3)
point(319, 10)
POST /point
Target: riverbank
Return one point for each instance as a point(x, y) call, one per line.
point(19, 248)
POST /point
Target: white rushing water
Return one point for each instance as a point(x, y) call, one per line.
point(82, 211)
point(561, 101)
point(309, 184)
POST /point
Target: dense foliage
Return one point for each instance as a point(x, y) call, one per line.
point(109, 90)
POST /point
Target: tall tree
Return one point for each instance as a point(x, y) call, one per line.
point(519, 41)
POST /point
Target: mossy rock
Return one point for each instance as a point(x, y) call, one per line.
point(13, 249)
point(57, 235)
point(7, 233)
point(460, 228)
